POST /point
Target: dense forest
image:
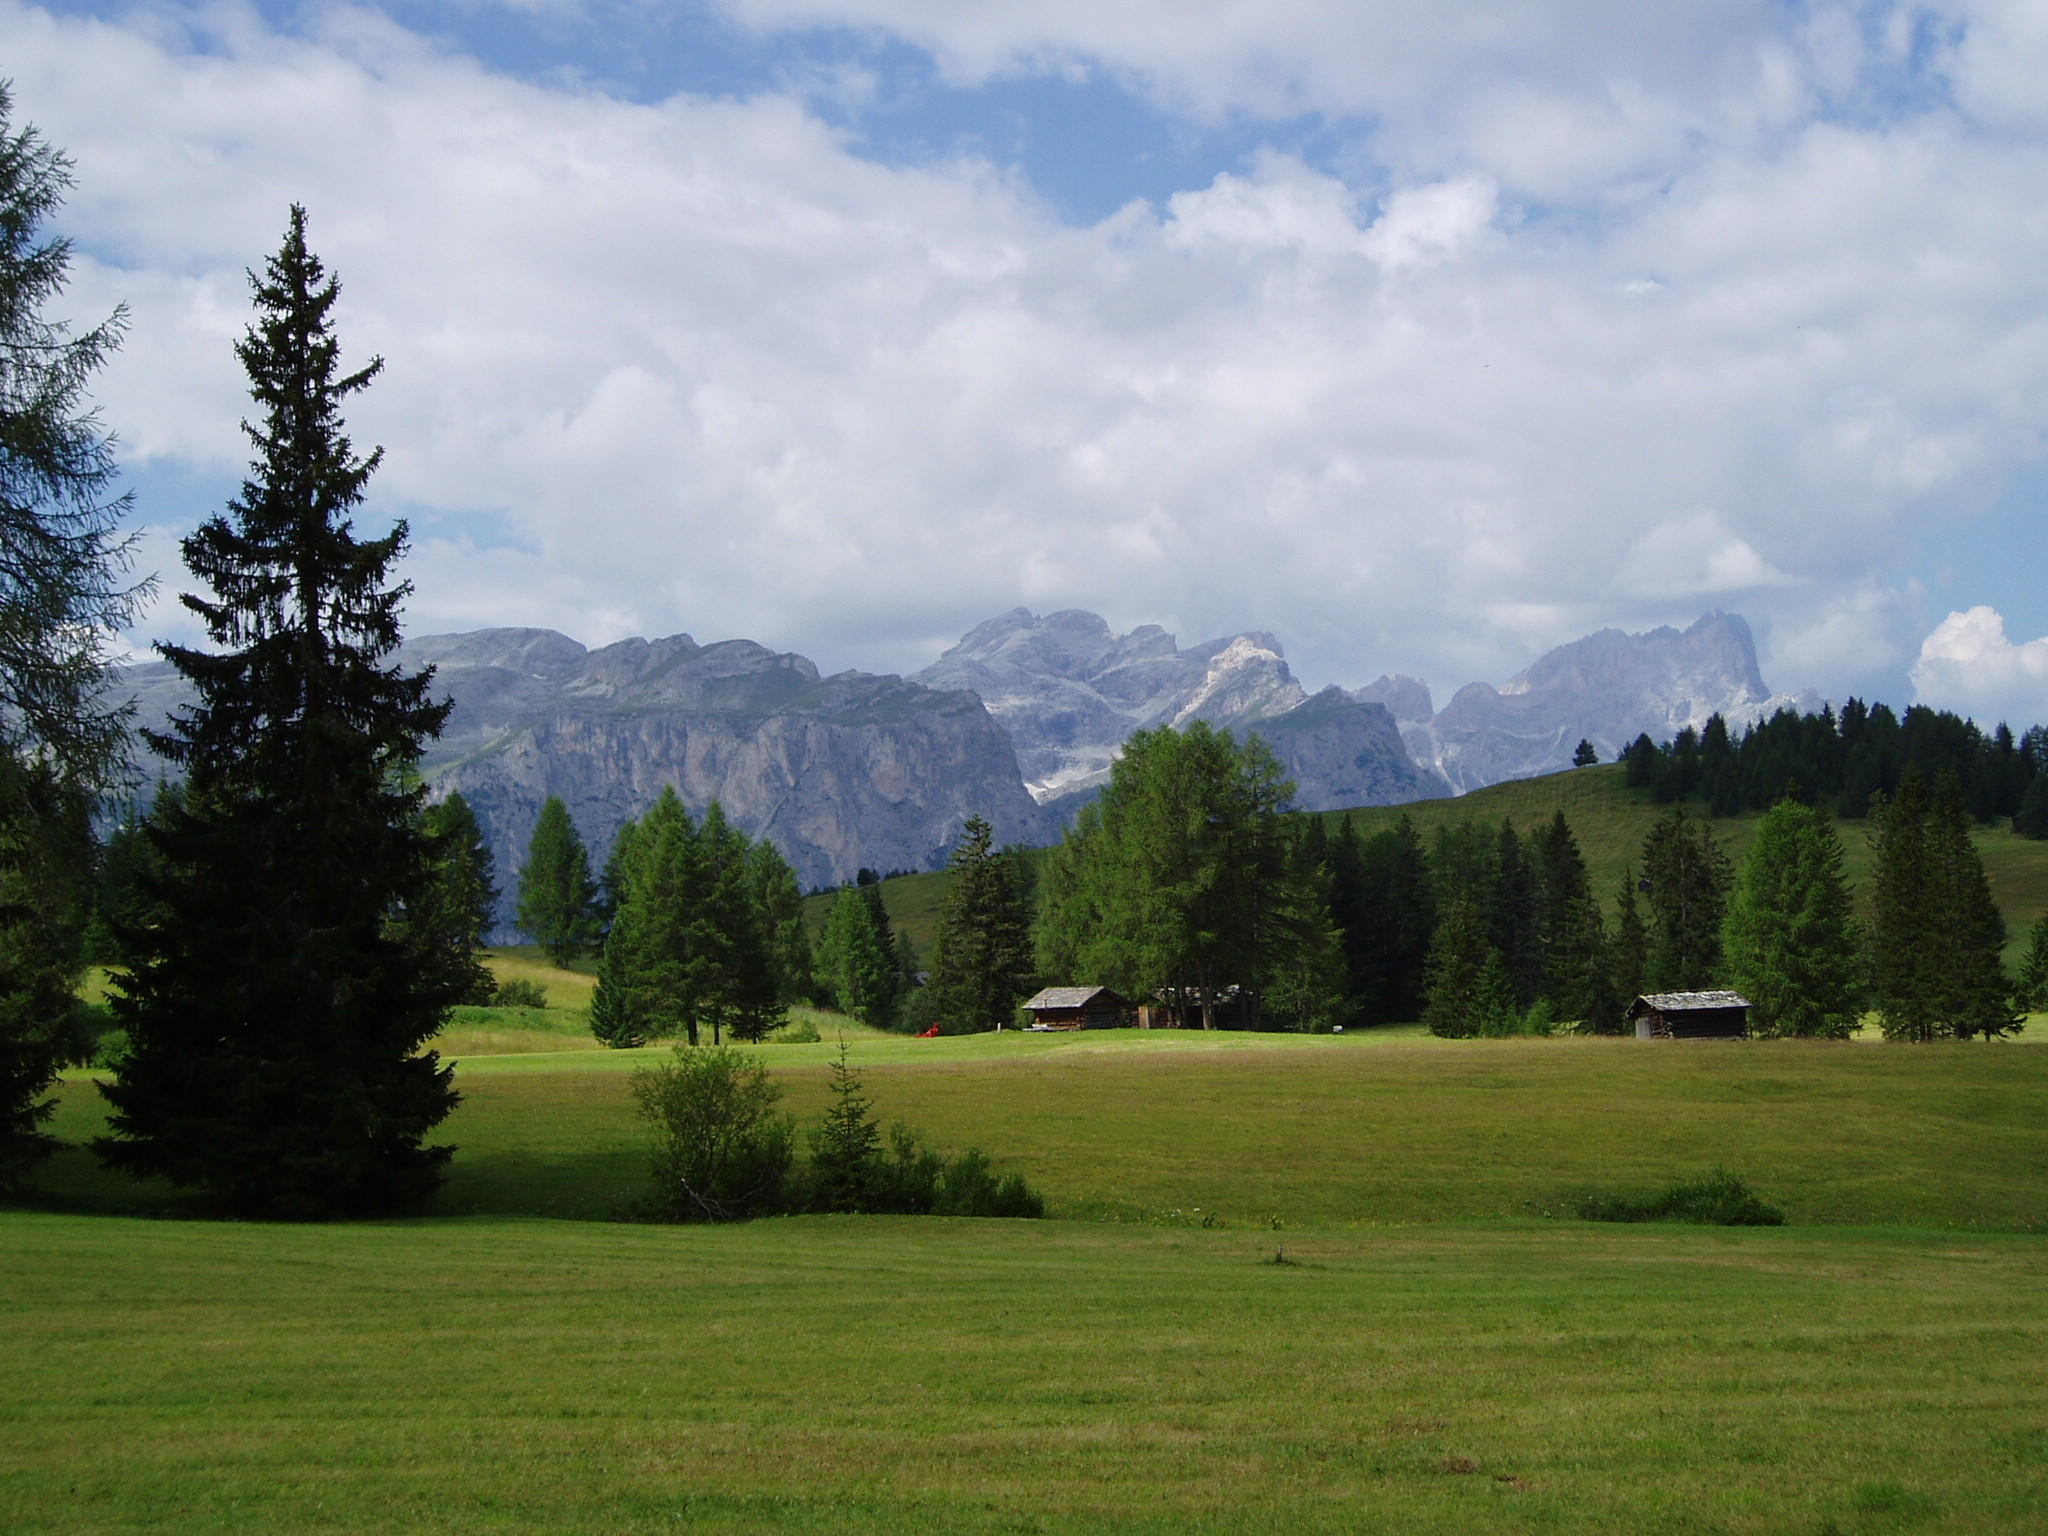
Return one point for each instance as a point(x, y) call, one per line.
point(1841, 761)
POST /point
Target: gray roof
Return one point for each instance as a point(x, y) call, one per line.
point(1683, 1002)
point(1065, 997)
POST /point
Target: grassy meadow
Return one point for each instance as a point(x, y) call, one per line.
point(1439, 1348)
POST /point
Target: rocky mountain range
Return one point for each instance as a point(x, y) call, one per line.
point(1608, 688)
point(839, 771)
point(1019, 722)
point(1068, 691)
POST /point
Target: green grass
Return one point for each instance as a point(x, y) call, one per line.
point(1314, 1130)
point(888, 1375)
point(1442, 1350)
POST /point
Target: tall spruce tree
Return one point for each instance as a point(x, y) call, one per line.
point(1688, 878)
point(1936, 935)
point(1387, 920)
point(62, 600)
point(858, 957)
point(277, 1014)
point(1973, 994)
point(981, 961)
point(1469, 991)
point(1790, 939)
point(2030, 983)
point(462, 899)
point(557, 898)
point(731, 950)
point(1903, 901)
point(779, 901)
point(1567, 925)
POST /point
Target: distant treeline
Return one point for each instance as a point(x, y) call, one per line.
point(1840, 761)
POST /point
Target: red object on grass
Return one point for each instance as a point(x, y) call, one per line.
point(929, 1034)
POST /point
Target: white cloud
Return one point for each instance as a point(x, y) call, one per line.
point(1697, 556)
point(1970, 665)
point(712, 370)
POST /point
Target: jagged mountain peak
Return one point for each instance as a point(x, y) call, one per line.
point(1069, 690)
point(1607, 688)
point(1406, 698)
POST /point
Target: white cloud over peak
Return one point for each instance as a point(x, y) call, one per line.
point(1972, 666)
point(700, 364)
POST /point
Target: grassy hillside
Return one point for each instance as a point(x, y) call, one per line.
point(1610, 821)
point(912, 902)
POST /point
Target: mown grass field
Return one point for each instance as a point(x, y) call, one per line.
point(892, 1375)
point(1443, 1350)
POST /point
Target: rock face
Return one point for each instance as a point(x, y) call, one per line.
point(838, 772)
point(1069, 691)
point(1608, 688)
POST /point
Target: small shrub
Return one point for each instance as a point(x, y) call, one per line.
point(969, 1187)
point(851, 1170)
point(721, 1150)
point(1721, 1199)
point(110, 1051)
point(85, 1032)
point(803, 1031)
point(519, 993)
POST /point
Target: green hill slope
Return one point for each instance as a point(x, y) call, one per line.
point(1610, 821)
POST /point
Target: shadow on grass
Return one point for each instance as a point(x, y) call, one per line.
point(584, 1186)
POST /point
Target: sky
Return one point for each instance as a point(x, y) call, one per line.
point(1424, 338)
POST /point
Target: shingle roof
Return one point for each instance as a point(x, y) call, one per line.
point(1681, 1002)
point(1064, 997)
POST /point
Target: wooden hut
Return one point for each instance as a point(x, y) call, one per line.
point(1690, 1016)
point(1076, 1008)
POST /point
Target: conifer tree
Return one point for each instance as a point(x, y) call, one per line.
point(1567, 924)
point(981, 960)
point(779, 900)
point(1627, 953)
point(1463, 996)
point(462, 899)
point(1791, 942)
point(557, 900)
point(45, 895)
point(62, 600)
point(1973, 994)
point(1936, 935)
point(1303, 984)
point(1903, 901)
point(1389, 922)
point(1513, 917)
point(1175, 878)
point(846, 1146)
point(2031, 819)
point(277, 1014)
point(688, 947)
point(1688, 878)
point(62, 553)
point(732, 966)
point(858, 958)
point(2030, 985)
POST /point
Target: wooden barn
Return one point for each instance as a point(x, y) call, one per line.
point(1077, 1008)
point(1690, 1016)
